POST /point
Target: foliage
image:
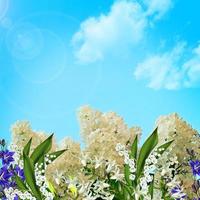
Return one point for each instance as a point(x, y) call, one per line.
point(111, 166)
point(31, 182)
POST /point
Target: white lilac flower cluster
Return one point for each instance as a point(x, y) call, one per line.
point(42, 182)
point(167, 169)
point(121, 149)
point(11, 194)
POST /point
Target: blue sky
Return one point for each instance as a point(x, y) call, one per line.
point(138, 58)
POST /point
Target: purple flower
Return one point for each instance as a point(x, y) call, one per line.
point(5, 175)
point(177, 193)
point(19, 172)
point(195, 166)
point(16, 198)
point(7, 157)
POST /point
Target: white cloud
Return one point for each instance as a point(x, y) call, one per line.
point(158, 8)
point(124, 25)
point(192, 69)
point(169, 70)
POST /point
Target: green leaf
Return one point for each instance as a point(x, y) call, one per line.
point(126, 193)
point(163, 147)
point(21, 185)
point(55, 155)
point(41, 161)
point(42, 149)
point(30, 176)
point(127, 174)
point(51, 188)
point(56, 197)
point(134, 148)
point(151, 187)
point(27, 147)
point(146, 149)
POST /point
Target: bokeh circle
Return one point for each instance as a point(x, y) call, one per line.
point(45, 75)
point(36, 59)
point(24, 41)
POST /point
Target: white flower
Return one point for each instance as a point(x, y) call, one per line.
point(132, 177)
point(42, 182)
point(127, 160)
point(120, 149)
point(117, 175)
point(173, 160)
point(85, 159)
point(57, 177)
point(94, 190)
point(11, 194)
point(98, 162)
point(177, 193)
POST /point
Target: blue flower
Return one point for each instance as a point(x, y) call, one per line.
point(19, 172)
point(195, 166)
point(5, 175)
point(7, 157)
point(16, 198)
point(177, 193)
